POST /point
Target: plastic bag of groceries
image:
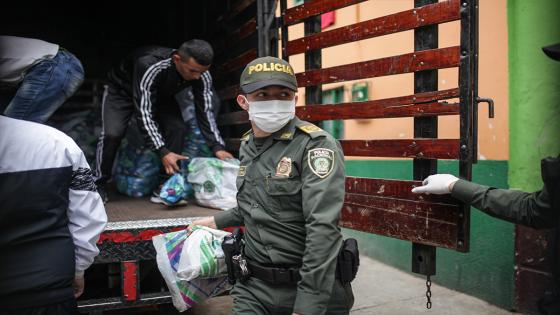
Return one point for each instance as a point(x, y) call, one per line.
point(203, 256)
point(184, 294)
point(173, 190)
point(213, 181)
point(137, 171)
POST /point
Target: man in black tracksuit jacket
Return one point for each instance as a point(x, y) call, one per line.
point(146, 83)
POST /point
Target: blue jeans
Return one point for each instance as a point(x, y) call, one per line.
point(45, 87)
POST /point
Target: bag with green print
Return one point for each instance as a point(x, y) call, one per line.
point(213, 182)
point(202, 255)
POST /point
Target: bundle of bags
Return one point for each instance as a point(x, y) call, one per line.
point(192, 265)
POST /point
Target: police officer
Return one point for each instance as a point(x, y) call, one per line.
point(539, 209)
point(290, 193)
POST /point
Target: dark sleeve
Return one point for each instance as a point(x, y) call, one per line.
point(529, 209)
point(144, 86)
point(205, 118)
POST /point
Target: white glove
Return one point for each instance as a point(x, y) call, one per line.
point(438, 184)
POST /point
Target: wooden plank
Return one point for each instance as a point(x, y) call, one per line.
point(312, 8)
point(418, 61)
point(237, 62)
point(400, 219)
point(417, 209)
point(229, 92)
point(372, 109)
point(388, 207)
point(245, 30)
point(407, 20)
point(416, 105)
point(240, 6)
point(408, 148)
point(403, 148)
point(392, 188)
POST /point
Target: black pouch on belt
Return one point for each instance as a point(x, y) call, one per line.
point(348, 261)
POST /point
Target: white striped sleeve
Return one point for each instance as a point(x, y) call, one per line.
point(146, 101)
point(208, 110)
point(86, 213)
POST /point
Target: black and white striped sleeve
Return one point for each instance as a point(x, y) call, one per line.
point(144, 90)
point(205, 112)
point(86, 213)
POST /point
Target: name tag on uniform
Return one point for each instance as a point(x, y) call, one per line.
point(284, 167)
point(242, 170)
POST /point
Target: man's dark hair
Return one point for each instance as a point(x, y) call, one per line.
point(198, 49)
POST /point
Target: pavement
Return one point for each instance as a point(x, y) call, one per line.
point(382, 289)
point(378, 289)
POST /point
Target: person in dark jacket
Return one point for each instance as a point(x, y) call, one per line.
point(147, 83)
point(50, 219)
point(538, 209)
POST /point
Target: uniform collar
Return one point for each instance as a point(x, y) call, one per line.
point(287, 132)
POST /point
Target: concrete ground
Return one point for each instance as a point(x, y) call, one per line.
point(381, 289)
point(378, 289)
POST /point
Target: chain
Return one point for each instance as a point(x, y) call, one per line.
point(428, 293)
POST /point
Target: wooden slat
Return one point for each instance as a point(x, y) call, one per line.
point(416, 105)
point(372, 109)
point(418, 61)
point(393, 188)
point(237, 62)
point(403, 148)
point(229, 92)
point(388, 207)
point(245, 30)
point(398, 223)
point(407, 20)
point(299, 13)
point(240, 6)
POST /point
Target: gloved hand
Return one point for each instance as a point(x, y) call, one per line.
point(438, 184)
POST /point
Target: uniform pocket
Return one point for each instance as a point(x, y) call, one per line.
point(285, 198)
point(282, 186)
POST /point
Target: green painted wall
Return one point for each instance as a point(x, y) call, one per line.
point(486, 271)
point(534, 89)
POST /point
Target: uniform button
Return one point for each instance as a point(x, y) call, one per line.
point(255, 205)
point(269, 247)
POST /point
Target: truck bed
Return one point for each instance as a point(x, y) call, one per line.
point(123, 208)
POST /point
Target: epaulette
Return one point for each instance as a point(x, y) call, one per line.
point(310, 129)
point(246, 135)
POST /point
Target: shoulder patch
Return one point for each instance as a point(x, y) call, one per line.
point(321, 161)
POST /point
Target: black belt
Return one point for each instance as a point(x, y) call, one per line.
point(274, 275)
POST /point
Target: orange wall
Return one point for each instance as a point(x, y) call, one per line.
point(493, 73)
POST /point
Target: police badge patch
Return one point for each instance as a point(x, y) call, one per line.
point(321, 161)
point(284, 167)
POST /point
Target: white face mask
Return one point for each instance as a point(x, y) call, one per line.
point(271, 116)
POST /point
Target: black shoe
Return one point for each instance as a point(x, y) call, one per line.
point(103, 193)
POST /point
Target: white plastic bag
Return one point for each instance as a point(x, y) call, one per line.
point(184, 294)
point(202, 254)
point(213, 182)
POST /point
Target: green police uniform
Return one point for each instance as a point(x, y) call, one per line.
point(537, 210)
point(290, 193)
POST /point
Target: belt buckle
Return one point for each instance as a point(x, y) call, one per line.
point(283, 275)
